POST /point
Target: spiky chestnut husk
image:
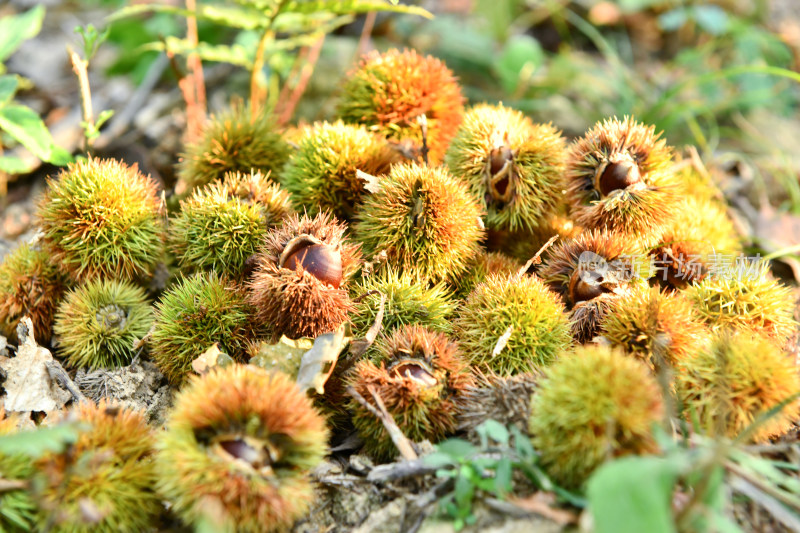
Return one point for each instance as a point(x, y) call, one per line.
point(619, 178)
point(504, 399)
point(408, 301)
point(257, 189)
point(216, 231)
point(695, 181)
point(321, 175)
point(586, 317)
point(522, 245)
point(512, 165)
point(30, 285)
point(596, 262)
point(102, 218)
point(483, 265)
point(17, 507)
point(656, 327)
point(98, 323)
point(699, 230)
point(540, 329)
point(421, 378)
point(241, 441)
point(299, 294)
point(741, 376)
point(193, 315)
point(592, 405)
point(745, 301)
point(424, 220)
point(233, 141)
point(108, 472)
point(389, 91)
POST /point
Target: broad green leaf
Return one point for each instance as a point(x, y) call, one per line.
point(673, 20)
point(24, 125)
point(37, 442)
point(457, 448)
point(59, 156)
point(502, 477)
point(521, 57)
point(493, 430)
point(15, 29)
point(14, 165)
point(713, 19)
point(632, 495)
point(438, 460)
point(8, 86)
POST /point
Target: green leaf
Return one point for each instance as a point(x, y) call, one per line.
point(8, 86)
point(348, 7)
point(673, 20)
point(438, 460)
point(494, 430)
point(502, 477)
point(457, 448)
point(14, 165)
point(42, 440)
point(712, 19)
point(15, 29)
point(633, 494)
point(24, 125)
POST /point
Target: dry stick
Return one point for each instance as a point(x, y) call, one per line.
point(80, 68)
point(423, 122)
point(535, 259)
point(294, 74)
point(7, 485)
point(197, 113)
point(366, 33)
point(57, 372)
point(400, 441)
point(302, 83)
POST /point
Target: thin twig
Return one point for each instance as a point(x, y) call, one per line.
point(57, 372)
point(400, 441)
point(302, 83)
point(767, 488)
point(423, 122)
point(399, 470)
point(366, 33)
point(535, 260)
point(7, 485)
point(80, 68)
point(196, 114)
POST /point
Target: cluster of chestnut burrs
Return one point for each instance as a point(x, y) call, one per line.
point(458, 249)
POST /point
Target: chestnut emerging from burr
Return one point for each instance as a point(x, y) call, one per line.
point(298, 286)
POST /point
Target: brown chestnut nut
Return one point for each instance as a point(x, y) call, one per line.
point(618, 175)
point(585, 285)
point(322, 261)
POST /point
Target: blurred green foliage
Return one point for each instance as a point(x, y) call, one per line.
point(18, 122)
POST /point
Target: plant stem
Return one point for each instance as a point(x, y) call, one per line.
point(80, 68)
point(194, 81)
point(302, 82)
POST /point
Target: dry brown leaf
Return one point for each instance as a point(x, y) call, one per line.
point(318, 363)
point(211, 358)
point(28, 385)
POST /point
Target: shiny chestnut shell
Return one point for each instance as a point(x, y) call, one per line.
point(618, 175)
point(322, 261)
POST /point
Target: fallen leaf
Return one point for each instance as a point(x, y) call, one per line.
point(318, 363)
point(211, 358)
point(371, 183)
point(284, 355)
point(28, 385)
